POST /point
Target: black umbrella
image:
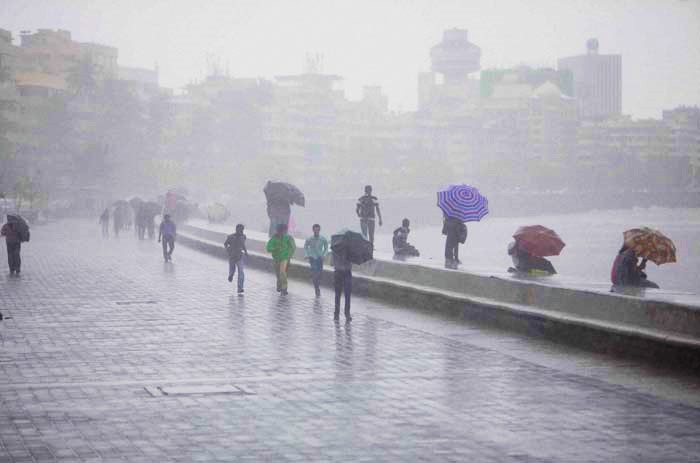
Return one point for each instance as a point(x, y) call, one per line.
point(135, 202)
point(18, 220)
point(152, 207)
point(281, 191)
point(358, 249)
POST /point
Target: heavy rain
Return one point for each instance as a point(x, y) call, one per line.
point(360, 231)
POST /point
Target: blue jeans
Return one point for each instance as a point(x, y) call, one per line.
point(232, 265)
point(316, 272)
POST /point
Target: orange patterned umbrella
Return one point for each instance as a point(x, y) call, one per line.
point(651, 244)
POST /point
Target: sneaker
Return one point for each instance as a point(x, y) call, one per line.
point(336, 318)
point(348, 319)
point(284, 292)
point(318, 293)
point(230, 278)
point(240, 291)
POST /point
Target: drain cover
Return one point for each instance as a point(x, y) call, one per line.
point(206, 389)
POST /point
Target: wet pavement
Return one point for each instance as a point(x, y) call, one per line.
point(113, 355)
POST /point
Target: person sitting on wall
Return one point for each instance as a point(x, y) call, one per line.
point(400, 241)
point(626, 271)
point(525, 262)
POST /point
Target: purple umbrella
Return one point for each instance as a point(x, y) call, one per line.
point(463, 202)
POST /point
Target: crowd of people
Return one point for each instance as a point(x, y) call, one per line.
point(626, 269)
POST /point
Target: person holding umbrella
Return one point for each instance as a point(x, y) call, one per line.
point(281, 246)
point(15, 231)
point(532, 243)
point(280, 196)
point(644, 243)
point(459, 204)
point(347, 248)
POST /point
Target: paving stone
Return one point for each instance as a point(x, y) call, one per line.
point(98, 322)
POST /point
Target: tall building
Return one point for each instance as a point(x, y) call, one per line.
point(597, 82)
point(452, 60)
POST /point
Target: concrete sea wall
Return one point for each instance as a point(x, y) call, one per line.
point(604, 322)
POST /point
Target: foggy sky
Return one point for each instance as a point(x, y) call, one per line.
point(385, 42)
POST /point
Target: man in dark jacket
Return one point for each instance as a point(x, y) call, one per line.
point(12, 231)
point(235, 245)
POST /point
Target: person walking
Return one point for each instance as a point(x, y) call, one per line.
point(14, 232)
point(456, 233)
point(104, 221)
point(279, 211)
point(365, 209)
point(342, 283)
point(235, 245)
point(315, 249)
point(166, 235)
point(281, 246)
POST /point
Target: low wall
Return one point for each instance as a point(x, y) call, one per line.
point(593, 320)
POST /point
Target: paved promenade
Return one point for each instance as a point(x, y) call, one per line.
point(112, 355)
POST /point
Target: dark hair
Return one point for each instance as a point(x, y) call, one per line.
point(405, 222)
point(368, 187)
point(239, 227)
point(315, 226)
point(623, 249)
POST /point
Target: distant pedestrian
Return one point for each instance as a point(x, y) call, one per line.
point(281, 246)
point(166, 235)
point(104, 221)
point(456, 233)
point(342, 282)
point(366, 207)
point(15, 232)
point(627, 272)
point(235, 245)
point(315, 249)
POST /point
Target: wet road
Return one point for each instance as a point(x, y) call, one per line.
point(112, 355)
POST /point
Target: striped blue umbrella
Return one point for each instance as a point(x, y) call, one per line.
point(463, 202)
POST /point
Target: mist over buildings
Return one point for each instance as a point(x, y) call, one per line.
point(541, 107)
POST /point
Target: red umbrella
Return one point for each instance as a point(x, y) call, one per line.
point(539, 241)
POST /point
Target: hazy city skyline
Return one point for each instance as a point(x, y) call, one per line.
point(369, 43)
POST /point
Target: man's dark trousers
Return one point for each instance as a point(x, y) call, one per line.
point(168, 246)
point(367, 227)
point(452, 246)
point(13, 259)
point(342, 281)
